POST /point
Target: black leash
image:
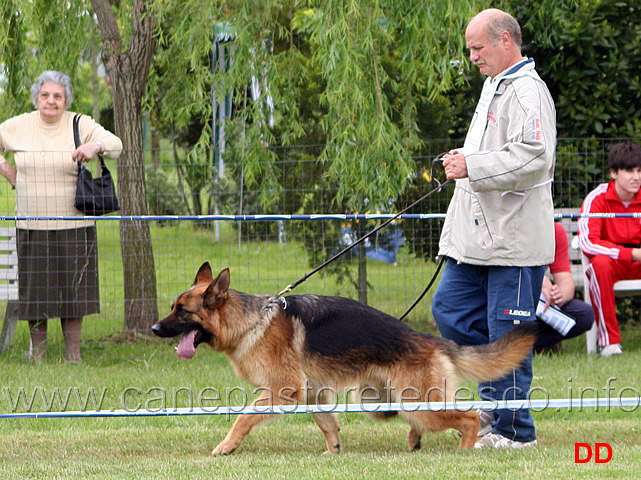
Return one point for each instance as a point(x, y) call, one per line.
point(440, 186)
point(429, 285)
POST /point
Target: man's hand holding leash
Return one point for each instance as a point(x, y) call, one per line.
point(454, 165)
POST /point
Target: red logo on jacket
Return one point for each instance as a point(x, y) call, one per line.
point(536, 129)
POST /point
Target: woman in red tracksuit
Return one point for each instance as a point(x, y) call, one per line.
point(612, 244)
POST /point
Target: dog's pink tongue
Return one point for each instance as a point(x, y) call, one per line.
point(185, 348)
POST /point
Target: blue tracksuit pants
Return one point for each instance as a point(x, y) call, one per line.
point(474, 305)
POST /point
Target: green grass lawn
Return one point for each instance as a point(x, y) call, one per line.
point(147, 374)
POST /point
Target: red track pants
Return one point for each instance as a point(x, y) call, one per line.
point(603, 273)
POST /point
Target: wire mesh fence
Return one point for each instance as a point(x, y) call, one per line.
point(197, 215)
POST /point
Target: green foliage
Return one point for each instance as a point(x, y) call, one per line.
point(46, 35)
point(163, 195)
point(365, 86)
point(379, 64)
point(13, 32)
point(61, 29)
point(586, 51)
point(580, 166)
point(179, 86)
point(354, 76)
point(628, 309)
point(363, 80)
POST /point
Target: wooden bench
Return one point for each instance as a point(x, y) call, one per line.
point(8, 284)
point(578, 262)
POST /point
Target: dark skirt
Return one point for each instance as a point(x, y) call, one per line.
point(58, 273)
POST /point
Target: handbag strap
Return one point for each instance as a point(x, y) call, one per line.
point(76, 135)
point(76, 139)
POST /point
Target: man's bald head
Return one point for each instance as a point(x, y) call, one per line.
point(496, 22)
point(493, 38)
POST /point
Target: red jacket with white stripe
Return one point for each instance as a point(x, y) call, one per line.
point(613, 237)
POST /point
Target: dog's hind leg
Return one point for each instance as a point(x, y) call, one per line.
point(468, 424)
point(465, 422)
point(328, 423)
point(414, 438)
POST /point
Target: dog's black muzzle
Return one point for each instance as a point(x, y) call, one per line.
point(159, 330)
point(170, 327)
point(165, 330)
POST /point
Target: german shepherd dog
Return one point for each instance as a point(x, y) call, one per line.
point(299, 347)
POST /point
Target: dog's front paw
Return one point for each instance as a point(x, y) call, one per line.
point(223, 449)
point(334, 449)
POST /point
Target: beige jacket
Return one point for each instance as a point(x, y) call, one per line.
point(502, 214)
point(46, 173)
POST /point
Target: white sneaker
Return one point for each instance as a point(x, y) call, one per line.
point(494, 440)
point(609, 350)
point(486, 417)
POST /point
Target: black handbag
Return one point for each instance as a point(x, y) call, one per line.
point(94, 196)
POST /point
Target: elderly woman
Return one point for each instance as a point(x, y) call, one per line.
point(57, 259)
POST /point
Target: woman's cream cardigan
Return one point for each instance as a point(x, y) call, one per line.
point(46, 173)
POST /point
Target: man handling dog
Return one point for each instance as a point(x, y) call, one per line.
point(499, 232)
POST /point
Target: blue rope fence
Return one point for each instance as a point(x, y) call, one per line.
point(627, 404)
point(278, 217)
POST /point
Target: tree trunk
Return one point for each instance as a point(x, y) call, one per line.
point(128, 72)
point(141, 310)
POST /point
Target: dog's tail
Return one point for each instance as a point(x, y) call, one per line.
point(484, 363)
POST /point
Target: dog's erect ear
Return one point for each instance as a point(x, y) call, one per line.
point(204, 274)
point(217, 290)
